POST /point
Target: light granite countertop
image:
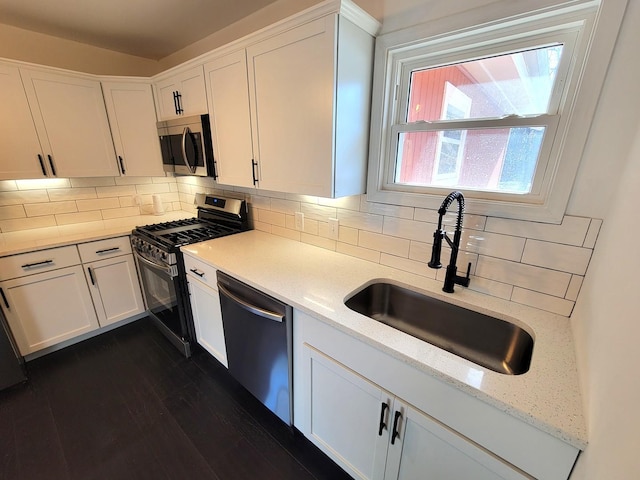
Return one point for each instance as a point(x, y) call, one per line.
point(22, 241)
point(317, 281)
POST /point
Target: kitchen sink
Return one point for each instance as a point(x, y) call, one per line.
point(490, 342)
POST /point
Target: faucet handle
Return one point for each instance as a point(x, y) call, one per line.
point(464, 281)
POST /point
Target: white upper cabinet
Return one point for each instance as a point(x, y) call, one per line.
point(310, 92)
point(21, 152)
point(72, 125)
point(181, 93)
point(132, 116)
point(229, 112)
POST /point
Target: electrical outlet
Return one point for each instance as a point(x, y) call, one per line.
point(334, 224)
point(299, 216)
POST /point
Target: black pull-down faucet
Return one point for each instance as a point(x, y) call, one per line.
point(451, 278)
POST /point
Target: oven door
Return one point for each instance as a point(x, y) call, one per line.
point(161, 288)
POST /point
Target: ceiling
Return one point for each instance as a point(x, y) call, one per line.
point(147, 28)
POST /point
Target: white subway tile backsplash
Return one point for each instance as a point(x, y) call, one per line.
point(348, 235)
point(359, 252)
point(571, 231)
point(555, 256)
point(318, 212)
point(420, 251)
point(285, 232)
point(274, 218)
point(97, 204)
point(12, 211)
point(301, 198)
point(530, 277)
point(559, 306)
point(384, 243)
point(574, 288)
point(132, 181)
point(39, 183)
point(410, 229)
point(258, 201)
point(121, 212)
point(318, 241)
point(117, 191)
point(476, 222)
point(345, 203)
point(51, 208)
point(407, 265)
point(8, 185)
point(285, 206)
point(491, 287)
point(80, 217)
point(164, 179)
point(27, 223)
point(536, 264)
point(361, 221)
point(492, 244)
point(153, 188)
point(263, 227)
point(19, 197)
point(386, 210)
point(93, 182)
point(592, 233)
point(83, 193)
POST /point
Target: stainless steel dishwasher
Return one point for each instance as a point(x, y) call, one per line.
point(258, 337)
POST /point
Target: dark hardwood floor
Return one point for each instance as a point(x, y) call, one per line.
point(127, 405)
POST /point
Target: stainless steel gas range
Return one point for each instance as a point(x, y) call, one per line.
point(161, 266)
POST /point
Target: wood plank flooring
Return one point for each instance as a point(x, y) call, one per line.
point(127, 405)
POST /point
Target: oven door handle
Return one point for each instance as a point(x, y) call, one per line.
point(269, 315)
point(166, 269)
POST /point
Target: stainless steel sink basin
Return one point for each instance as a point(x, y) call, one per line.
point(487, 341)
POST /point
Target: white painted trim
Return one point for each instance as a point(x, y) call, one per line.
point(601, 29)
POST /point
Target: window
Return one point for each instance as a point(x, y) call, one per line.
point(487, 110)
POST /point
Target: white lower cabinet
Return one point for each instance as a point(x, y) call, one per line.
point(114, 288)
point(379, 417)
point(374, 435)
point(205, 307)
point(47, 308)
point(112, 277)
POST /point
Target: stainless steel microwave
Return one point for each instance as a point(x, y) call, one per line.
point(186, 146)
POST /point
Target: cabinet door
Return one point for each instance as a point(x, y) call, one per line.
point(188, 86)
point(132, 117)
point(48, 308)
point(114, 288)
point(348, 416)
point(207, 319)
point(427, 449)
point(228, 95)
point(72, 124)
point(21, 152)
point(292, 78)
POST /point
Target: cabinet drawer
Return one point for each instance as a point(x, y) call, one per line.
point(201, 270)
point(36, 262)
point(101, 249)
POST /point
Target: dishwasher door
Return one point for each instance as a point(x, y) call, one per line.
point(258, 337)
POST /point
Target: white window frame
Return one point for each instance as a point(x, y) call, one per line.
point(449, 41)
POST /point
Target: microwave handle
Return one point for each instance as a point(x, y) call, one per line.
point(185, 133)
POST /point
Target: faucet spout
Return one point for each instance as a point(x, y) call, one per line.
point(451, 277)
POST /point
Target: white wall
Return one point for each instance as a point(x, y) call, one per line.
point(605, 319)
point(607, 330)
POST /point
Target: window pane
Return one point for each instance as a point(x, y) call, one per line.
point(491, 159)
point(518, 83)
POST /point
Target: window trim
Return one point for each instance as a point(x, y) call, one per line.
point(578, 98)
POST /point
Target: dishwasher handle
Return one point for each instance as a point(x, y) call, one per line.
point(269, 315)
